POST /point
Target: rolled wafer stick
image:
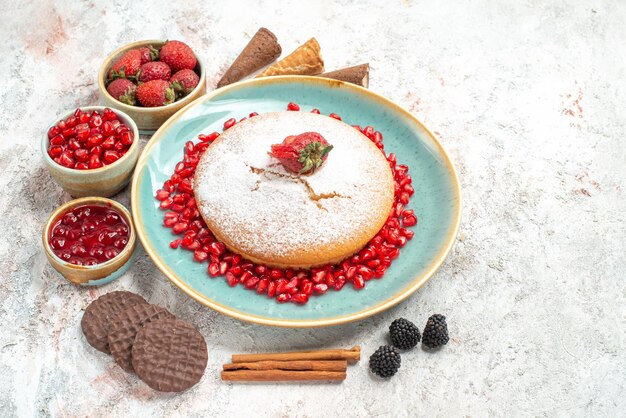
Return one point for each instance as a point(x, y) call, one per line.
point(319, 365)
point(352, 355)
point(280, 375)
point(262, 50)
point(358, 74)
point(305, 60)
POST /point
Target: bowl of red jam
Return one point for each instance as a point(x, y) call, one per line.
point(91, 151)
point(90, 240)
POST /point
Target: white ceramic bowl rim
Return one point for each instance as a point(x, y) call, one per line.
point(127, 120)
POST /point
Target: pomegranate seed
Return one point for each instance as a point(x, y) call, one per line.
point(300, 298)
point(110, 156)
point(351, 272)
point(379, 271)
point(271, 289)
point(283, 297)
point(126, 138)
point(200, 256)
point(262, 286)
point(81, 166)
point(307, 287)
point(251, 282)
point(54, 131)
point(69, 132)
point(174, 244)
point(162, 194)
point(81, 155)
point(358, 282)
point(253, 114)
point(316, 111)
point(368, 131)
point(409, 220)
point(339, 284)
point(276, 274)
point(108, 143)
point(223, 267)
point(166, 203)
point(293, 106)
point(280, 285)
point(109, 115)
point(214, 269)
point(217, 248)
point(57, 140)
point(55, 151)
point(95, 121)
point(407, 233)
point(404, 198)
point(236, 270)
point(318, 276)
point(231, 279)
point(335, 116)
point(230, 123)
point(66, 161)
point(180, 227)
point(320, 288)
point(378, 137)
point(366, 273)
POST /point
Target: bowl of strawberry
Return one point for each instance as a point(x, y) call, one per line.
point(91, 151)
point(151, 80)
point(90, 240)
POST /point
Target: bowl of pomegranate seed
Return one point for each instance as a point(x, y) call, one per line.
point(151, 80)
point(90, 241)
point(91, 151)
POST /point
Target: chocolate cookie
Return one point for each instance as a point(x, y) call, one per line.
point(97, 316)
point(124, 326)
point(170, 355)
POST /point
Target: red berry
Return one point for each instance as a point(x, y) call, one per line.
point(184, 81)
point(123, 90)
point(155, 93)
point(126, 66)
point(303, 153)
point(154, 70)
point(177, 55)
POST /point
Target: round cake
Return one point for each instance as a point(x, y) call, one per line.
point(275, 217)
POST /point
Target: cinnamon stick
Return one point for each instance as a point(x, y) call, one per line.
point(319, 365)
point(352, 355)
point(280, 375)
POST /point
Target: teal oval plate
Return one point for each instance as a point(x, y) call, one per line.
point(436, 200)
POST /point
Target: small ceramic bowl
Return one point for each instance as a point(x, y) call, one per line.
point(100, 273)
point(104, 181)
point(147, 118)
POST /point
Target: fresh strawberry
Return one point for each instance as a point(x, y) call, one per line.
point(155, 93)
point(184, 81)
point(303, 153)
point(123, 90)
point(126, 66)
point(154, 70)
point(148, 53)
point(177, 55)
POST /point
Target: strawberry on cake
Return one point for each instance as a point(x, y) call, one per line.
point(294, 189)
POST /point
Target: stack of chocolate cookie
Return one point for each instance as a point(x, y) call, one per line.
point(168, 354)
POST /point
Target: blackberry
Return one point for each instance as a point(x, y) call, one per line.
point(385, 361)
point(404, 334)
point(436, 332)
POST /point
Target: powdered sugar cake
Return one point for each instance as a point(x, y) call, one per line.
point(273, 217)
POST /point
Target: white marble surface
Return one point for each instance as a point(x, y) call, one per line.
point(527, 96)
